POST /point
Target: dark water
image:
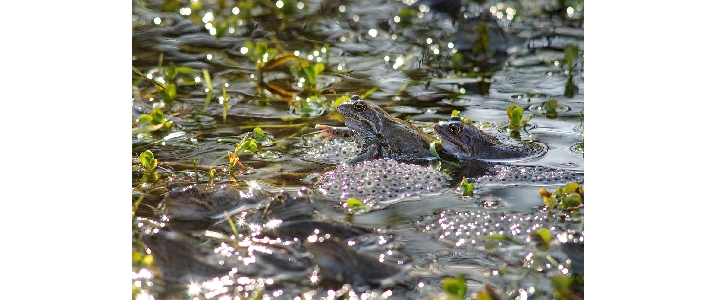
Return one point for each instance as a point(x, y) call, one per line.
point(406, 68)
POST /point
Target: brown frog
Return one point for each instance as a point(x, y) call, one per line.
point(383, 135)
point(199, 206)
point(464, 142)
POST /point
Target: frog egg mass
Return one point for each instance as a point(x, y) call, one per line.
point(383, 180)
point(333, 152)
point(529, 175)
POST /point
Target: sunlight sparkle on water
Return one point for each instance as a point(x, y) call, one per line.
point(397, 19)
point(373, 32)
point(280, 4)
point(207, 17)
point(193, 289)
point(300, 5)
point(157, 20)
point(209, 56)
point(342, 8)
point(399, 62)
point(235, 10)
point(185, 11)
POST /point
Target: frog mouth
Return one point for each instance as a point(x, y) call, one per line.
point(451, 143)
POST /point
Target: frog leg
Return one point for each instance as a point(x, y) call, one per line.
point(369, 151)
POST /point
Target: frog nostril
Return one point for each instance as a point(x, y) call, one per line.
point(360, 106)
point(455, 128)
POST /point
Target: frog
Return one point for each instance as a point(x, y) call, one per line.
point(384, 136)
point(464, 141)
point(341, 263)
point(199, 206)
point(491, 160)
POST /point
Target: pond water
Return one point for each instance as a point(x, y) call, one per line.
point(228, 67)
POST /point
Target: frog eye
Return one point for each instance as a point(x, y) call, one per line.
point(360, 106)
point(455, 128)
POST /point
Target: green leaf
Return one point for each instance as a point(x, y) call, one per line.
point(541, 238)
point(573, 200)
point(148, 160)
point(258, 134)
point(318, 68)
point(570, 53)
point(432, 148)
point(510, 109)
point(502, 238)
point(455, 286)
point(145, 119)
point(341, 100)
point(157, 116)
point(355, 204)
point(548, 198)
point(467, 189)
point(561, 287)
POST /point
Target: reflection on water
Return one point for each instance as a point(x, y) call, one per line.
point(220, 69)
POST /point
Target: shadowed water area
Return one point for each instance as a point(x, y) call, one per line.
point(251, 199)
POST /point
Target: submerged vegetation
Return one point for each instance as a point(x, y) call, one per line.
point(229, 95)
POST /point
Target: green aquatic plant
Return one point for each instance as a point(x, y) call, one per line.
point(148, 161)
point(265, 58)
point(149, 164)
point(212, 173)
point(549, 107)
point(354, 205)
point(570, 55)
point(542, 239)
point(433, 150)
point(308, 72)
point(466, 188)
point(166, 79)
point(567, 197)
point(247, 144)
point(517, 120)
point(155, 121)
point(454, 287)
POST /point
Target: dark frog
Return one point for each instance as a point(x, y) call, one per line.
point(464, 141)
point(384, 136)
point(199, 206)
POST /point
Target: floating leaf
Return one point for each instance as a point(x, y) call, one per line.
point(455, 286)
point(355, 204)
point(542, 239)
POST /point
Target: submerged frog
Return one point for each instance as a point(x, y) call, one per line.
point(340, 263)
point(465, 141)
point(384, 136)
point(199, 206)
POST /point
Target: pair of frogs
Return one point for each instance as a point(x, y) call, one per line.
point(384, 136)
